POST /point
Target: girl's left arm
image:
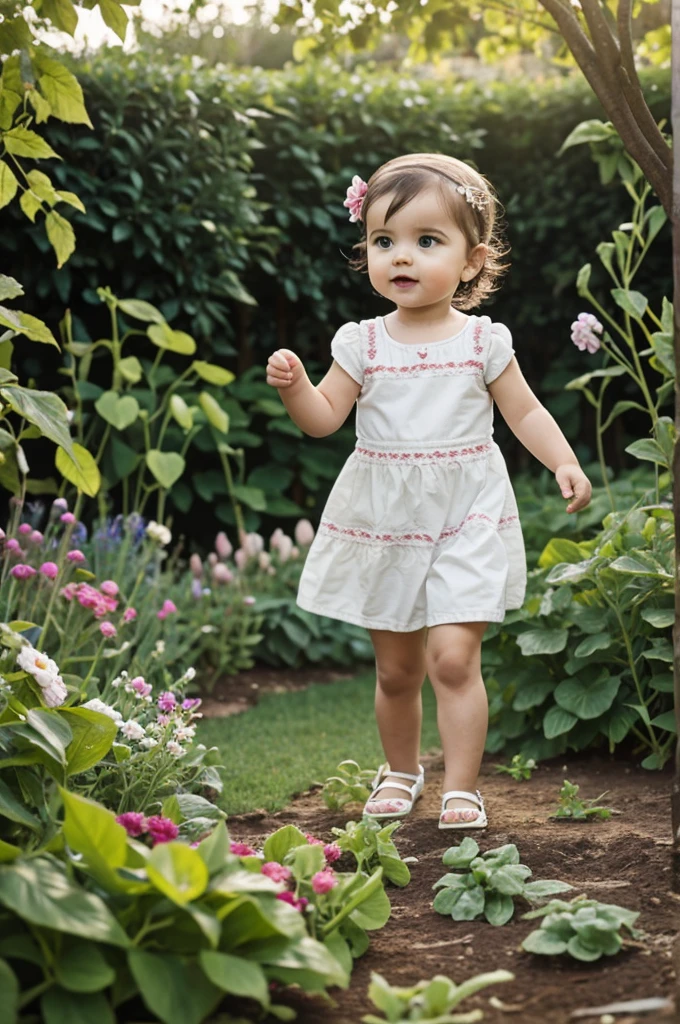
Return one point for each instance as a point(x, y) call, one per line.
point(539, 433)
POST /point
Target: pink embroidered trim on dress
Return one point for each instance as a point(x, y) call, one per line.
point(413, 458)
point(366, 536)
point(477, 337)
point(466, 366)
point(371, 339)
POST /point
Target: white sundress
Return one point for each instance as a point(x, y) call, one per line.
point(421, 525)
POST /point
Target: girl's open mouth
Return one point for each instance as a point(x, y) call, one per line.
point(403, 282)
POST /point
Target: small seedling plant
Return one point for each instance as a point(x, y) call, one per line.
point(373, 847)
point(520, 767)
point(585, 929)
point(486, 886)
point(431, 1001)
point(350, 785)
point(573, 808)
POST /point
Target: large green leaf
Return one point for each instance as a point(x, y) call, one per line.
point(120, 411)
point(543, 641)
point(173, 341)
point(61, 235)
point(178, 872)
point(9, 994)
point(167, 467)
point(557, 721)
point(61, 13)
point(61, 1007)
point(84, 472)
point(21, 141)
point(235, 975)
point(587, 699)
point(216, 415)
point(93, 831)
point(81, 967)
point(11, 808)
point(45, 410)
point(61, 89)
point(141, 310)
point(176, 991)
point(8, 185)
point(212, 374)
point(93, 736)
point(42, 894)
point(53, 728)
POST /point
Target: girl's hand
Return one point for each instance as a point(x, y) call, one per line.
point(574, 484)
point(284, 368)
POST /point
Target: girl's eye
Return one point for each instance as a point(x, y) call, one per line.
point(383, 242)
point(427, 241)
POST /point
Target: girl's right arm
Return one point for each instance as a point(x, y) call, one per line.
point(320, 410)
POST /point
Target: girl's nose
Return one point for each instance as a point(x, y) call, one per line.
point(401, 257)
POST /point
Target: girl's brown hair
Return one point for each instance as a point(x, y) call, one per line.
point(406, 176)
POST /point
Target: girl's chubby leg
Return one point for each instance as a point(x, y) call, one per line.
point(453, 660)
point(400, 674)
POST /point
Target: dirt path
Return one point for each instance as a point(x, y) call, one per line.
point(625, 860)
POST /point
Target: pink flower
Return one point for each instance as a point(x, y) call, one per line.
point(67, 517)
point(162, 830)
point(22, 571)
point(332, 852)
point(107, 629)
point(304, 533)
point(289, 897)
point(2, 534)
point(277, 872)
point(69, 591)
point(50, 569)
point(168, 608)
point(139, 685)
point(222, 545)
point(312, 840)
point(36, 537)
point(163, 719)
point(249, 600)
point(285, 548)
point(191, 703)
point(133, 823)
point(109, 587)
point(212, 559)
point(60, 503)
point(167, 701)
point(241, 849)
point(196, 566)
point(240, 557)
point(221, 573)
point(323, 881)
point(75, 555)
point(129, 614)
point(275, 538)
point(25, 528)
point(355, 198)
point(13, 545)
point(582, 332)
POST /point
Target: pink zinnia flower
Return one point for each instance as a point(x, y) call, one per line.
point(22, 571)
point(75, 555)
point(133, 823)
point(139, 686)
point(50, 569)
point(312, 840)
point(13, 545)
point(129, 614)
point(109, 587)
point(162, 830)
point(332, 852)
point(277, 872)
point(289, 897)
point(107, 629)
point(168, 608)
point(36, 537)
point(69, 591)
point(167, 701)
point(241, 849)
point(323, 881)
point(67, 517)
point(355, 198)
point(25, 528)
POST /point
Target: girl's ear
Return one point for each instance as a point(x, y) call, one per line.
point(475, 262)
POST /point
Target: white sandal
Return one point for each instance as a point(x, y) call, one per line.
point(476, 798)
point(394, 807)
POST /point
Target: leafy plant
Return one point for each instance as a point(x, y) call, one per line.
point(585, 929)
point(487, 885)
point(519, 768)
point(575, 808)
point(350, 785)
point(372, 846)
point(431, 1001)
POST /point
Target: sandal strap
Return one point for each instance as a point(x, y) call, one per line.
point(392, 785)
point(475, 798)
point(406, 775)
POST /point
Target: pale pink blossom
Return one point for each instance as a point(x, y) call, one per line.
point(50, 570)
point(249, 600)
point(168, 608)
point(285, 547)
point(294, 552)
point(222, 545)
point(212, 559)
point(107, 629)
point(288, 897)
point(25, 528)
point(129, 614)
point(312, 840)
point(221, 573)
point(75, 555)
point(196, 566)
point(324, 880)
point(355, 198)
point(264, 559)
point(241, 849)
point(304, 533)
point(60, 503)
point(167, 701)
point(109, 587)
point(275, 538)
point(69, 591)
point(277, 872)
point(332, 852)
point(68, 518)
point(240, 557)
point(36, 538)
point(140, 686)
point(254, 543)
point(22, 571)
point(584, 330)
point(13, 545)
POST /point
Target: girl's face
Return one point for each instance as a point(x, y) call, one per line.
point(418, 257)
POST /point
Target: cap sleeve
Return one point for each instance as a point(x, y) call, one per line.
point(500, 352)
point(346, 350)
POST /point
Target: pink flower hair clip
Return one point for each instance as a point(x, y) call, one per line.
point(355, 198)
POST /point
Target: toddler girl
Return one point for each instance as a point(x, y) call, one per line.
point(419, 541)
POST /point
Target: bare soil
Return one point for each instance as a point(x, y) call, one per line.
point(625, 860)
point(232, 694)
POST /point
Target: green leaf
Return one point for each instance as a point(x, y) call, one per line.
point(213, 374)
point(175, 990)
point(632, 302)
point(167, 467)
point(11, 808)
point(131, 369)
point(178, 872)
point(557, 722)
point(666, 721)
point(115, 17)
point(181, 412)
point(61, 235)
point(214, 849)
point(543, 942)
point(216, 415)
point(53, 728)
point(42, 894)
point(8, 188)
point(585, 698)
point(120, 411)
point(34, 329)
point(587, 131)
point(84, 474)
point(577, 949)
point(559, 550)
point(279, 843)
point(253, 497)
point(9, 994)
point(61, 90)
point(635, 567)
point(648, 450)
point(141, 310)
point(543, 641)
point(236, 976)
point(81, 967)
point(93, 831)
point(498, 908)
point(9, 287)
point(544, 887)
point(660, 618)
point(45, 410)
point(61, 13)
point(21, 141)
point(592, 643)
point(173, 341)
point(93, 736)
point(461, 856)
point(8, 853)
point(61, 1007)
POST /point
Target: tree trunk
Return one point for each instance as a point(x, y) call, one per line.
point(675, 118)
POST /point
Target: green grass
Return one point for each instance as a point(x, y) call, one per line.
point(290, 740)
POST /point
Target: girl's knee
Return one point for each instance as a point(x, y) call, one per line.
point(400, 679)
point(454, 669)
